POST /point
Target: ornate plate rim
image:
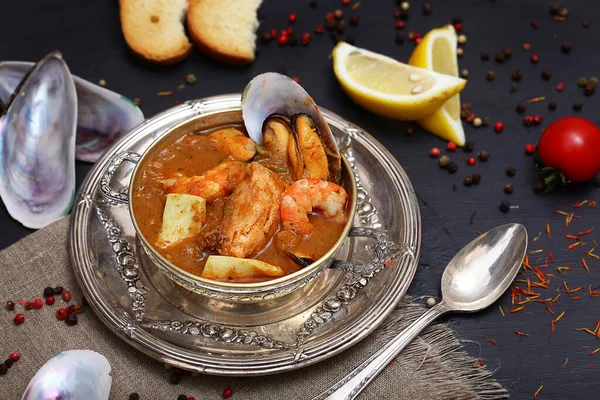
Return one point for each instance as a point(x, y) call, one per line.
point(129, 331)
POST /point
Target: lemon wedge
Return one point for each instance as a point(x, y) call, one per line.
point(437, 52)
point(389, 88)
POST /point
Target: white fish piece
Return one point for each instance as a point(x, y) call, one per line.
point(71, 375)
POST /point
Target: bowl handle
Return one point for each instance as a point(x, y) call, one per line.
point(113, 164)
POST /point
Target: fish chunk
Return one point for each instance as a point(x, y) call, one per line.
point(251, 213)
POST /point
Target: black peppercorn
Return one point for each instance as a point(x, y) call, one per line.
point(174, 379)
point(182, 397)
point(426, 8)
point(539, 187)
point(511, 171)
point(589, 90)
point(341, 27)
point(577, 106)
point(48, 291)
point(266, 37)
point(586, 23)
point(565, 47)
point(507, 53)
point(58, 290)
point(468, 147)
point(500, 57)
point(476, 179)
point(485, 121)
point(71, 319)
point(399, 38)
point(452, 167)
point(483, 155)
point(354, 20)
point(3, 369)
point(513, 87)
point(468, 181)
point(504, 206)
point(8, 362)
point(521, 108)
point(330, 25)
point(313, 3)
point(554, 9)
point(547, 74)
point(552, 105)
point(485, 56)
point(490, 75)
point(516, 75)
point(508, 188)
point(134, 396)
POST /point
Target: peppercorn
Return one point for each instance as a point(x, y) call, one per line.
point(535, 58)
point(485, 121)
point(434, 152)
point(430, 302)
point(589, 90)
point(48, 291)
point(539, 187)
point(593, 81)
point(182, 397)
point(58, 290)
point(464, 73)
point(483, 155)
point(400, 25)
point(19, 319)
point(565, 47)
point(174, 379)
point(50, 300)
point(8, 362)
point(37, 303)
point(462, 39)
point(582, 82)
point(504, 206)
point(28, 305)
point(66, 295)
point(498, 127)
point(521, 108)
point(399, 38)
point(471, 118)
point(554, 9)
point(312, 4)
point(71, 319)
point(490, 75)
point(513, 87)
point(560, 86)
point(330, 24)
point(70, 308)
point(508, 188)
point(586, 23)
point(468, 181)
point(426, 8)
point(61, 314)
point(354, 20)
point(577, 106)
point(292, 18)
point(526, 46)
point(10, 305)
point(507, 53)
point(476, 179)
point(529, 148)
point(485, 56)
point(547, 74)
point(511, 171)
point(338, 14)
point(468, 147)
point(516, 75)
point(471, 161)
point(134, 395)
point(563, 12)
point(228, 392)
point(410, 130)
point(552, 105)
point(452, 167)
point(500, 57)
point(3, 369)
point(78, 309)
point(535, 23)
point(305, 39)
point(477, 122)
point(444, 161)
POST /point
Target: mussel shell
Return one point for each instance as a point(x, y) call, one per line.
point(103, 116)
point(37, 145)
point(70, 375)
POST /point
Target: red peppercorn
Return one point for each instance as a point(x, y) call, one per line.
point(282, 40)
point(560, 86)
point(529, 148)
point(70, 309)
point(400, 25)
point(526, 46)
point(458, 27)
point(535, 23)
point(345, 2)
point(273, 34)
point(10, 305)
point(528, 120)
point(498, 126)
point(15, 356)
point(471, 161)
point(61, 314)
point(292, 18)
point(537, 119)
point(418, 40)
point(434, 152)
point(305, 39)
point(289, 31)
point(319, 29)
point(451, 146)
point(37, 303)
point(19, 319)
point(50, 300)
point(411, 36)
point(28, 305)
point(535, 58)
point(66, 295)
point(329, 16)
point(228, 392)
point(296, 79)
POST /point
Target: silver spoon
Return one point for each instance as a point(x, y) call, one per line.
point(474, 279)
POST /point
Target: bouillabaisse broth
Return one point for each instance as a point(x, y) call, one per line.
point(193, 154)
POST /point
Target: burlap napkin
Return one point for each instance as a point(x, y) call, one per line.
point(432, 367)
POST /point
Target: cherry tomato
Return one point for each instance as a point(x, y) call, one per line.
point(571, 145)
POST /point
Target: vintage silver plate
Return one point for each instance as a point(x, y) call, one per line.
point(163, 320)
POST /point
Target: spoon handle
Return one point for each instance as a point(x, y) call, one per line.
point(350, 386)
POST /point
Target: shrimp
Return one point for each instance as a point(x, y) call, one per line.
point(251, 214)
point(232, 142)
point(214, 183)
point(306, 195)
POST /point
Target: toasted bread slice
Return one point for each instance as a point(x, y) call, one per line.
point(224, 29)
point(154, 29)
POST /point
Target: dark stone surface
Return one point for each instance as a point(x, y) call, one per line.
point(89, 35)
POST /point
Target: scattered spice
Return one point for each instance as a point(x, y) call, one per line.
point(468, 181)
point(565, 47)
point(426, 8)
point(535, 58)
point(190, 79)
point(589, 90)
point(521, 108)
point(228, 392)
point(537, 99)
point(492, 341)
point(452, 167)
point(546, 74)
point(451, 146)
point(508, 188)
point(48, 291)
point(516, 75)
point(586, 23)
point(19, 319)
point(585, 266)
point(498, 127)
point(513, 87)
point(511, 171)
point(560, 86)
point(471, 161)
point(485, 56)
point(499, 57)
point(538, 391)
point(565, 363)
point(10, 305)
point(66, 295)
point(444, 161)
point(483, 155)
point(521, 334)
point(102, 82)
point(434, 152)
point(476, 179)
point(504, 206)
point(517, 309)
point(490, 75)
point(535, 23)
point(552, 105)
point(529, 148)
point(170, 92)
point(468, 147)
point(577, 106)
point(501, 310)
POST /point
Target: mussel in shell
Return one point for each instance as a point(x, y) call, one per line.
point(37, 145)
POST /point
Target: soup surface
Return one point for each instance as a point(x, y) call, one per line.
point(237, 190)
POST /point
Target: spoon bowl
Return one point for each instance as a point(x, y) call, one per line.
point(482, 270)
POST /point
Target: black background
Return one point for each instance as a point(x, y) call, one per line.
point(89, 35)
